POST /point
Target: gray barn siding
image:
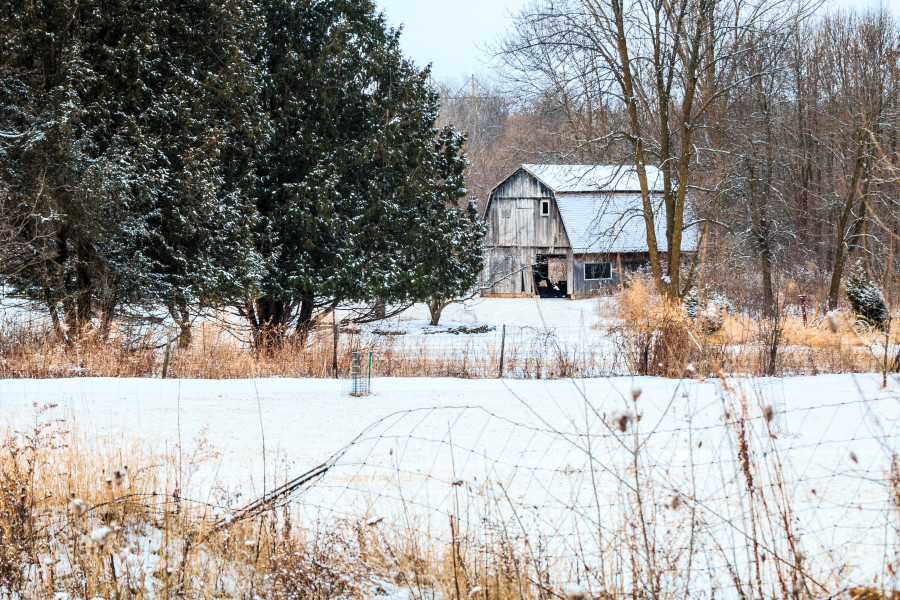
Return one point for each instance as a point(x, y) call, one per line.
point(588, 287)
point(630, 261)
point(522, 185)
point(517, 222)
point(517, 233)
point(507, 269)
point(513, 217)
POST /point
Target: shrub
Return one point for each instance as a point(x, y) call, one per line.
point(653, 335)
point(708, 319)
point(691, 303)
point(866, 299)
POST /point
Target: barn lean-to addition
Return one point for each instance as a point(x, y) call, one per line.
point(560, 231)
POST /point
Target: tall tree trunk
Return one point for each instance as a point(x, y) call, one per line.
point(107, 313)
point(269, 316)
point(436, 307)
point(380, 308)
point(181, 314)
point(760, 186)
point(84, 283)
point(58, 328)
point(761, 233)
point(305, 318)
point(841, 234)
point(628, 88)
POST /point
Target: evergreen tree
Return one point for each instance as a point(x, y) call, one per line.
point(354, 169)
point(119, 164)
point(445, 241)
point(207, 122)
point(866, 299)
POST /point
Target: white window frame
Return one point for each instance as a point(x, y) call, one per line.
point(586, 278)
point(543, 204)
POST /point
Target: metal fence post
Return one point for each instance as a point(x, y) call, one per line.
point(502, 350)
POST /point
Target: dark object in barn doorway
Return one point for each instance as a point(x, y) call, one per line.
point(549, 273)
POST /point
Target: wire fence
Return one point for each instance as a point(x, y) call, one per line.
point(521, 352)
point(729, 489)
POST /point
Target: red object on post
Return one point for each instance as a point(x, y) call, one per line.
point(803, 298)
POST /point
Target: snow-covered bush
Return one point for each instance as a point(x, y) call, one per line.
point(691, 303)
point(711, 317)
point(866, 299)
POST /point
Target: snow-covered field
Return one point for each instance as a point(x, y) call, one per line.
point(523, 312)
point(550, 445)
point(567, 458)
point(537, 332)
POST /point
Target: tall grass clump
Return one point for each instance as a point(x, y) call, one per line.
point(653, 334)
point(704, 335)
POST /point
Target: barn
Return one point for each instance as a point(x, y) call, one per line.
point(566, 231)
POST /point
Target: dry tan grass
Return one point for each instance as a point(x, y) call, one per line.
point(640, 334)
point(217, 352)
point(659, 338)
point(89, 520)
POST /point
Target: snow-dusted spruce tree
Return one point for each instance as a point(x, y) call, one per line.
point(205, 127)
point(434, 248)
point(866, 299)
point(119, 119)
point(454, 256)
point(449, 259)
point(352, 171)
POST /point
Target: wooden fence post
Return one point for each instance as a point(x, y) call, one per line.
point(165, 368)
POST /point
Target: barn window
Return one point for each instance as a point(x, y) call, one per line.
point(545, 208)
point(595, 271)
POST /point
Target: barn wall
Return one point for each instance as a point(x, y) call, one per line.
point(522, 185)
point(513, 216)
point(517, 233)
point(630, 261)
point(506, 272)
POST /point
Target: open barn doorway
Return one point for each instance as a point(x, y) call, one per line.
point(550, 276)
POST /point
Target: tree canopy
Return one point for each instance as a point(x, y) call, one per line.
point(278, 157)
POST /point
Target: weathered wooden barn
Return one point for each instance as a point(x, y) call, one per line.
point(561, 231)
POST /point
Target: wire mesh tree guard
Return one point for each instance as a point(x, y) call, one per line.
point(360, 381)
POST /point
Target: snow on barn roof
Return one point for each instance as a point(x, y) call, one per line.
point(613, 223)
point(601, 206)
point(593, 178)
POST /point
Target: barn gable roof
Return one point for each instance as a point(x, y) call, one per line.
point(601, 223)
point(601, 206)
point(593, 178)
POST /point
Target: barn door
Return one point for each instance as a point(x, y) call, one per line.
point(550, 276)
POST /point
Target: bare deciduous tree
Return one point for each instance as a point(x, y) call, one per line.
point(657, 70)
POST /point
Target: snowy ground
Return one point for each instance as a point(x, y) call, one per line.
point(523, 312)
point(536, 332)
point(549, 444)
point(561, 452)
point(574, 320)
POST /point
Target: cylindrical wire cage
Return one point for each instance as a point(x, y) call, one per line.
point(360, 381)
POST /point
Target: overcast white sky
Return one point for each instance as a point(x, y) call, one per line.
point(450, 33)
